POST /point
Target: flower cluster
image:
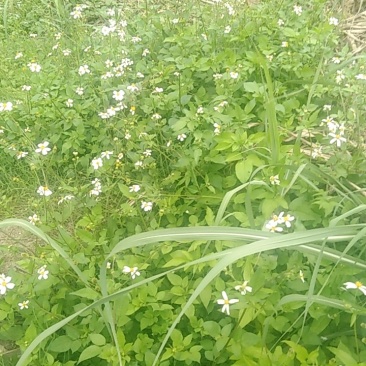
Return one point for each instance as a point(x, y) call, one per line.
point(335, 130)
point(97, 189)
point(273, 224)
point(225, 302)
point(77, 11)
point(133, 271)
point(6, 107)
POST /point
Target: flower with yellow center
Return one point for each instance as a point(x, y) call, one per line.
point(355, 285)
point(226, 303)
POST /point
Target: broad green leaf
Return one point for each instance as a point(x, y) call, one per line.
point(86, 293)
point(89, 352)
point(60, 344)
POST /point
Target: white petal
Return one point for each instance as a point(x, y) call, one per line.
point(350, 285)
point(224, 296)
point(363, 289)
point(221, 302)
point(233, 301)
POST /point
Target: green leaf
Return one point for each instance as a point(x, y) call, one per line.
point(205, 296)
point(343, 356)
point(86, 293)
point(249, 107)
point(97, 339)
point(89, 352)
point(60, 344)
point(243, 170)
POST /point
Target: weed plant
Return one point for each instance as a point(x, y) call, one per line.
point(194, 171)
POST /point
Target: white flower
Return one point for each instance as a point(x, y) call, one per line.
point(199, 110)
point(337, 138)
point(118, 95)
point(44, 191)
point(135, 39)
point(336, 60)
point(8, 106)
point(146, 206)
point(361, 77)
point(134, 188)
point(286, 219)
point(84, 69)
point(21, 154)
point(274, 180)
point(234, 75)
point(204, 36)
point(182, 137)
point(66, 52)
point(140, 75)
point(106, 154)
point(108, 63)
point(156, 116)
point(175, 21)
point(43, 273)
point(23, 305)
point(33, 219)
point(5, 284)
point(97, 163)
point(145, 52)
point(226, 302)
point(284, 44)
point(69, 103)
point(68, 197)
point(327, 107)
point(356, 285)
point(217, 76)
point(333, 21)
point(301, 274)
point(26, 87)
point(132, 88)
point(280, 22)
point(277, 220)
point(340, 76)
point(227, 29)
point(217, 129)
point(34, 67)
point(132, 270)
point(18, 55)
point(43, 148)
point(272, 226)
point(147, 152)
point(111, 12)
point(79, 91)
point(158, 90)
point(316, 152)
point(109, 265)
point(297, 10)
point(244, 288)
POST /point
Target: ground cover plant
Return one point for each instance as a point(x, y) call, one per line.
point(191, 174)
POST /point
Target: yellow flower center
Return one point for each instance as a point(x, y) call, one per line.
point(358, 284)
point(3, 283)
point(226, 302)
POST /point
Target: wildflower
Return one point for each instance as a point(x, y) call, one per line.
point(134, 188)
point(244, 288)
point(44, 191)
point(34, 67)
point(84, 69)
point(33, 219)
point(106, 154)
point(284, 44)
point(286, 219)
point(341, 129)
point(127, 136)
point(109, 265)
point(43, 148)
point(204, 36)
point(145, 52)
point(5, 284)
point(79, 91)
point(132, 88)
point(333, 21)
point(234, 75)
point(272, 226)
point(175, 21)
point(68, 197)
point(277, 219)
point(132, 270)
point(138, 164)
point(301, 274)
point(182, 137)
point(226, 302)
point(353, 285)
point(111, 12)
point(118, 95)
point(8, 106)
point(158, 90)
point(340, 76)
point(217, 129)
point(227, 29)
point(18, 55)
point(43, 273)
point(69, 103)
point(147, 153)
point(361, 77)
point(199, 110)
point(21, 154)
point(135, 39)
point(140, 75)
point(297, 10)
point(274, 180)
point(97, 163)
point(146, 206)
point(23, 305)
point(336, 60)
point(337, 138)
point(97, 188)
point(156, 116)
point(217, 76)
point(26, 87)
point(316, 152)
point(327, 107)
point(280, 22)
